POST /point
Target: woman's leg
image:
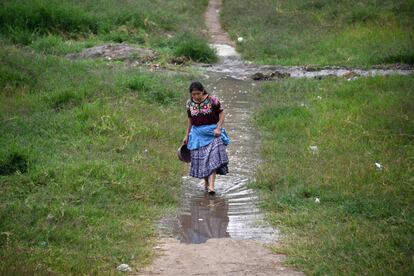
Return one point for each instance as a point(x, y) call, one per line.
point(206, 183)
point(211, 179)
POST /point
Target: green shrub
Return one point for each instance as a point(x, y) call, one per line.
point(47, 44)
point(195, 48)
point(62, 99)
point(15, 161)
point(44, 17)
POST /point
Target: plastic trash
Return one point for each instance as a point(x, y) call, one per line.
point(124, 268)
point(317, 200)
point(378, 166)
point(314, 149)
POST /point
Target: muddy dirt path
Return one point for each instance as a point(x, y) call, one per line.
point(225, 234)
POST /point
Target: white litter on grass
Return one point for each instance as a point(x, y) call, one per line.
point(124, 268)
point(319, 98)
point(240, 39)
point(314, 149)
point(378, 166)
point(317, 200)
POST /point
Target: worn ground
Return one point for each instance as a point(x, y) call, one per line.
point(225, 256)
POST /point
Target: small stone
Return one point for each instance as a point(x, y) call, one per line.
point(314, 149)
point(317, 200)
point(124, 268)
point(200, 219)
point(378, 166)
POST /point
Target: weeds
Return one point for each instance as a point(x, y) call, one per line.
point(323, 32)
point(363, 221)
point(86, 163)
point(195, 48)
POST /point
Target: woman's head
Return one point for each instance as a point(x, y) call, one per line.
point(197, 91)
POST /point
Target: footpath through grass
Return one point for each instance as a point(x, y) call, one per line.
point(322, 139)
point(87, 162)
point(322, 32)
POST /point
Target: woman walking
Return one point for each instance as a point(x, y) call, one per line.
point(205, 137)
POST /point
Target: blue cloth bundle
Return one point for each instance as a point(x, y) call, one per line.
point(201, 136)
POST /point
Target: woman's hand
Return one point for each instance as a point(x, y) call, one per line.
point(217, 132)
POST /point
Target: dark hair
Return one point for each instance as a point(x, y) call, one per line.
point(197, 86)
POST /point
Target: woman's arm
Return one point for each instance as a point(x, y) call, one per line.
point(189, 125)
point(217, 131)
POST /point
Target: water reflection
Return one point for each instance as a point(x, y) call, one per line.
point(233, 212)
point(207, 218)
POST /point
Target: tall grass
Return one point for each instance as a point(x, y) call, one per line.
point(86, 163)
point(322, 32)
point(363, 224)
point(61, 27)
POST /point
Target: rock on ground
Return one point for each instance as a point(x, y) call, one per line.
point(115, 52)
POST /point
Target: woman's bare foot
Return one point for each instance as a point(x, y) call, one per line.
point(211, 179)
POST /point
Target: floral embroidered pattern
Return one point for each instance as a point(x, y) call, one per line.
point(204, 113)
point(203, 108)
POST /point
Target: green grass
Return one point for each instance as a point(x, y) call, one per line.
point(87, 162)
point(322, 32)
point(365, 220)
point(62, 27)
point(195, 48)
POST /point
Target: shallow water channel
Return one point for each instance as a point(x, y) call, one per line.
point(233, 211)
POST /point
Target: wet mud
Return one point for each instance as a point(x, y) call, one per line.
point(233, 211)
point(233, 67)
point(227, 234)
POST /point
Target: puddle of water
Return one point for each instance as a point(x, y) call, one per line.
point(233, 67)
point(225, 51)
point(240, 70)
point(233, 212)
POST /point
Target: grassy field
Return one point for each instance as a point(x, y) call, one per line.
point(86, 162)
point(87, 159)
point(62, 27)
point(322, 138)
point(322, 32)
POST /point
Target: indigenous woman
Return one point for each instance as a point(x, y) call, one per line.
point(205, 137)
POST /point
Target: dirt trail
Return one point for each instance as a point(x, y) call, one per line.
point(217, 257)
point(226, 234)
point(212, 19)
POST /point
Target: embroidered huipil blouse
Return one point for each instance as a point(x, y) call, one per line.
point(205, 113)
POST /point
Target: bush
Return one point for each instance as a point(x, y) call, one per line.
point(42, 17)
point(195, 48)
point(14, 162)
